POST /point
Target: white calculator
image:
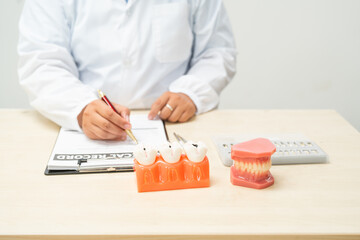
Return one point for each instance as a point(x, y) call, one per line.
point(290, 149)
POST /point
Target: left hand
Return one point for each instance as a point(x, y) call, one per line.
point(173, 107)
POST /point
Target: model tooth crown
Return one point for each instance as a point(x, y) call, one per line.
point(195, 151)
point(145, 155)
point(171, 152)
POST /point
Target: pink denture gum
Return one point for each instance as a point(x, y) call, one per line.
point(161, 174)
point(252, 161)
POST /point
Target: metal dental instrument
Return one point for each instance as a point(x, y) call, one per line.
point(180, 139)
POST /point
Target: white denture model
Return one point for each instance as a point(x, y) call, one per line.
point(171, 152)
point(195, 152)
point(145, 155)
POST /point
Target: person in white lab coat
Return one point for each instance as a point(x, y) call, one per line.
point(172, 56)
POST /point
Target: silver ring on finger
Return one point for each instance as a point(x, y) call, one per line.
point(169, 107)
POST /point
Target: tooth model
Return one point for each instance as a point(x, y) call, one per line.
point(145, 154)
point(171, 152)
point(170, 169)
point(252, 161)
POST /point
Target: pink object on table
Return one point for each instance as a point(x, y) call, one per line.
point(252, 161)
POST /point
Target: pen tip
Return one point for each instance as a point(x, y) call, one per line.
point(101, 94)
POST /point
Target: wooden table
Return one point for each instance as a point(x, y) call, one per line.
point(316, 201)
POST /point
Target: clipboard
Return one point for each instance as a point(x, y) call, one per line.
point(74, 153)
point(80, 170)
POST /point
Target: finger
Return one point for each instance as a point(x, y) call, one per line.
point(166, 111)
point(109, 114)
point(107, 126)
point(186, 116)
point(125, 115)
point(175, 115)
point(123, 111)
point(158, 105)
point(94, 132)
point(105, 135)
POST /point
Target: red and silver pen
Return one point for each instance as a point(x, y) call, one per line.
point(106, 100)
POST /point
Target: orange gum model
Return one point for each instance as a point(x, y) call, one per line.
point(162, 175)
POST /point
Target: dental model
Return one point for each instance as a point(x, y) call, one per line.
point(252, 162)
point(170, 152)
point(145, 154)
point(171, 169)
point(195, 151)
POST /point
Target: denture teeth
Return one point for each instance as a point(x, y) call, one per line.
point(171, 152)
point(145, 155)
point(256, 168)
point(195, 151)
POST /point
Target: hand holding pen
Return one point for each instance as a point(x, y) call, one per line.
point(101, 122)
point(107, 101)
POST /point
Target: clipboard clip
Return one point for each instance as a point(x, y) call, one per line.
point(88, 169)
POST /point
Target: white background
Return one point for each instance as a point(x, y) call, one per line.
point(302, 54)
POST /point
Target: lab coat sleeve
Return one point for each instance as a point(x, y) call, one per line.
point(213, 59)
point(47, 70)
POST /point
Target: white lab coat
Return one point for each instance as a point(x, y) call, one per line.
point(133, 52)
